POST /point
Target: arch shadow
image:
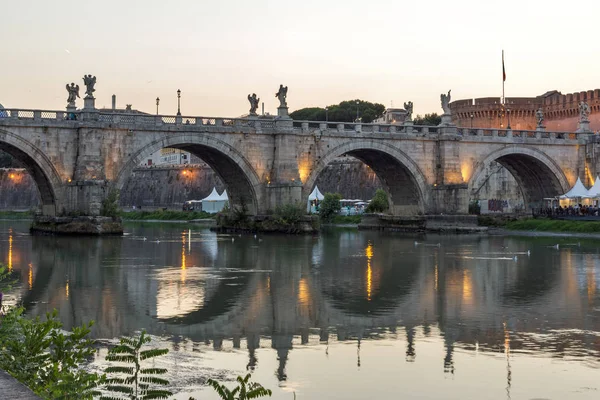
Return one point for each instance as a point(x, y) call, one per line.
point(39, 166)
point(537, 175)
point(235, 171)
point(407, 188)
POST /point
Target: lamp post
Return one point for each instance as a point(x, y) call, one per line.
point(472, 116)
point(508, 116)
point(157, 103)
point(357, 110)
point(326, 114)
point(178, 102)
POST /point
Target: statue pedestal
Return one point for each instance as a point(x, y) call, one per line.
point(583, 126)
point(89, 103)
point(408, 126)
point(446, 120)
point(282, 112)
point(540, 128)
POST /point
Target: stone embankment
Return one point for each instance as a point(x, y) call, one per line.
point(12, 389)
point(77, 226)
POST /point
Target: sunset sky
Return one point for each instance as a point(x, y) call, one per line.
point(218, 51)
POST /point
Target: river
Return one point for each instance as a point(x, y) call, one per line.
point(344, 315)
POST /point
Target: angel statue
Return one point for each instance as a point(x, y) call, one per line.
point(282, 95)
point(584, 111)
point(409, 110)
point(539, 115)
point(73, 93)
point(89, 82)
point(446, 102)
point(253, 103)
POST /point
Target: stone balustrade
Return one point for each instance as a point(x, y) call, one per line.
point(263, 125)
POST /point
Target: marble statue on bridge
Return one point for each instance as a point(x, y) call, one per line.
point(584, 111)
point(445, 98)
point(73, 91)
point(282, 96)
point(253, 103)
point(409, 111)
point(539, 115)
point(89, 82)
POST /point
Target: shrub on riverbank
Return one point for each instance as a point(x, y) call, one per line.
point(554, 225)
point(330, 206)
point(165, 215)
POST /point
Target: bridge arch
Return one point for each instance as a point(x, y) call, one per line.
point(537, 175)
point(236, 172)
point(39, 166)
point(407, 188)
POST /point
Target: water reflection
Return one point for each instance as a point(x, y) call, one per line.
point(474, 294)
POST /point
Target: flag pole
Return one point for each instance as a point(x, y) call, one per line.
point(503, 79)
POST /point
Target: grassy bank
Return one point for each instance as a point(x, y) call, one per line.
point(16, 215)
point(165, 215)
point(551, 225)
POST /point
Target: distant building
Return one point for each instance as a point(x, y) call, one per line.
point(561, 111)
point(394, 116)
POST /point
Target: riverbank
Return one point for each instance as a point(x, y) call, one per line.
point(166, 215)
point(16, 215)
point(534, 225)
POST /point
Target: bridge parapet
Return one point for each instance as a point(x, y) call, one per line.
point(264, 125)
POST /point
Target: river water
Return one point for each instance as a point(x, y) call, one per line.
point(342, 315)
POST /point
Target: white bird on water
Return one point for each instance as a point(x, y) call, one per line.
point(144, 238)
point(515, 258)
point(232, 240)
point(157, 241)
point(255, 236)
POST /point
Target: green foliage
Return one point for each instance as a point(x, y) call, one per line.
point(289, 214)
point(165, 215)
point(554, 225)
point(245, 389)
point(7, 279)
point(379, 203)
point(129, 381)
point(428, 119)
point(343, 112)
point(110, 205)
point(474, 207)
point(330, 206)
point(16, 214)
point(42, 356)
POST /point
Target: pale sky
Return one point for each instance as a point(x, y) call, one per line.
point(325, 51)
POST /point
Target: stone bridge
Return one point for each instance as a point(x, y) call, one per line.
point(77, 157)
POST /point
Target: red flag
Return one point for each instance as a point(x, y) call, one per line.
point(503, 70)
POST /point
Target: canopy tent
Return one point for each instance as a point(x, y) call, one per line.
point(224, 195)
point(214, 202)
point(315, 196)
point(594, 191)
point(577, 191)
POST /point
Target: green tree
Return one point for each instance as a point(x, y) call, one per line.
point(110, 205)
point(330, 206)
point(428, 119)
point(379, 203)
point(131, 380)
point(245, 390)
point(49, 361)
point(342, 112)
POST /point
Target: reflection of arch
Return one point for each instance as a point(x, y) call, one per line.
point(236, 172)
point(536, 173)
point(39, 167)
point(405, 183)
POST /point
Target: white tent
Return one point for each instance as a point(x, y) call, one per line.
point(224, 195)
point(316, 196)
point(577, 191)
point(214, 202)
point(594, 191)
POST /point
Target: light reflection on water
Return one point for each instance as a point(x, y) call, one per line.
point(343, 315)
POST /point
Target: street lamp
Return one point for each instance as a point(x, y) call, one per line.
point(157, 103)
point(178, 102)
point(326, 114)
point(508, 115)
point(357, 110)
point(472, 116)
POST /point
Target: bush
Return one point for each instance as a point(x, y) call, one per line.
point(330, 206)
point(379, 203)
point(474, 207)
point(110, 205)
point(289, 214)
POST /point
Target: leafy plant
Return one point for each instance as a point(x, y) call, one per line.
point(289, 214)
point(131, 381)
point(379, 203)
point(42, 356)
point(110, 205)
point(245, 389)
point(330, 206)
